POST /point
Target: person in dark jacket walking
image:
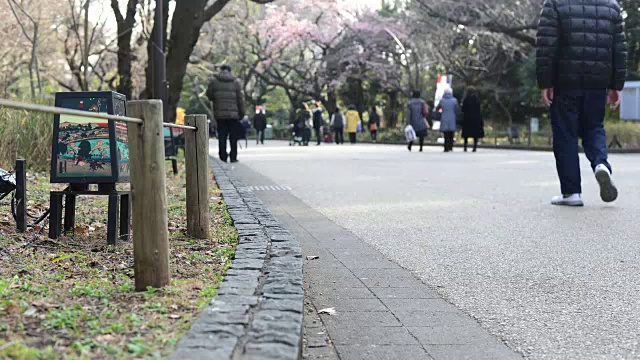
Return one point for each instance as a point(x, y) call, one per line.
point(318, 122)
point(225, 92)
point(581, 65)
point(337, 124)
point(472, 124)
point(374, 123)
point(260, 124)
point(417, 117)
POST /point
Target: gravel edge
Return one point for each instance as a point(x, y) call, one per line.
point(257, 312)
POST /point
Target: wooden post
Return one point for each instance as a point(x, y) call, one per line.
point(148, 195)
point(196, 154)
point(21, 195)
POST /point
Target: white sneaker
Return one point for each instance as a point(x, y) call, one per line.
point(568, 200)
point(608, 191)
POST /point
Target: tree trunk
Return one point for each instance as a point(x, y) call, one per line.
point(34, 54)
point(125, 57)
point(507, 112)
point(293, 101)
point(85, 54)
point(148, 93)
point(31, 80)
point(182, 42)
point(331, 101)
point(391, 112)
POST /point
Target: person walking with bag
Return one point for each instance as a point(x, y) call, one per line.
point(472, 125)
point(417, 117)
point(450, 111)
point(337, 124)
point(581, 59)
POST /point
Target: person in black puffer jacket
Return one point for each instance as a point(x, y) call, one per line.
point(225, 92)
point(581, 53)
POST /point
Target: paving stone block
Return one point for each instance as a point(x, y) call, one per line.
point(295, 306)
point(271, 352)
point(247, 264)
point(237, 299)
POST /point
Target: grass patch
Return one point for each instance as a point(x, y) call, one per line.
point(26, 134)
point(74, 298)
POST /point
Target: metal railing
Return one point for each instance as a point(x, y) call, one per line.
point(148, 181)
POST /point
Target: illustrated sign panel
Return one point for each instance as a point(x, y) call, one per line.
point(83, 143)
point(90, 150)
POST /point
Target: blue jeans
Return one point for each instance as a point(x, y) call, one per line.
point(578, 114)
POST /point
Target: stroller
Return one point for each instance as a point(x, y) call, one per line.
point(326, 135)
point(300, 134)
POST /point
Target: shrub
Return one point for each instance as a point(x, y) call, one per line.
point(25, 134)
point(628, 133)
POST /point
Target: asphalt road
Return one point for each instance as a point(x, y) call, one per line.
point(554, 283)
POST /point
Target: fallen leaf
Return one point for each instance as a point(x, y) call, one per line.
point(30, 311)
point(105, 338)
point(38, 303)
point(328, 311)
point(12, 309)
point(313, 257)
point(174, 316)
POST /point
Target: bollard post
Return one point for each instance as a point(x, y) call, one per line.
point(21, 195)
point(196, 154)
point(148, 195)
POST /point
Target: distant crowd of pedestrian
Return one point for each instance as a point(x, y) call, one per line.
point(233, 124)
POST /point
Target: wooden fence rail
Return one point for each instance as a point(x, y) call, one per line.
point(148, 182)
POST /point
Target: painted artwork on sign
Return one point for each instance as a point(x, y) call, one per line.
point(122, 140)
point(83, 143)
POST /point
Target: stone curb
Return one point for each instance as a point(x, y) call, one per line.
point(257, 312)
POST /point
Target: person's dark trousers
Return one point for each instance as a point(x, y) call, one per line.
point(352, 137)
point(227, 129)
point(420, 135)
point(318, 135)
point(578, 114)
point(475, 143)
point(448, 141)
point(260, 137)
point(339, 136)
point(374, 135)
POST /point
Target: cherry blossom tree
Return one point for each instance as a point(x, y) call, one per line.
point(311, 51)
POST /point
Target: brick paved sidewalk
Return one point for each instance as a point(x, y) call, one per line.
point(382, 310)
